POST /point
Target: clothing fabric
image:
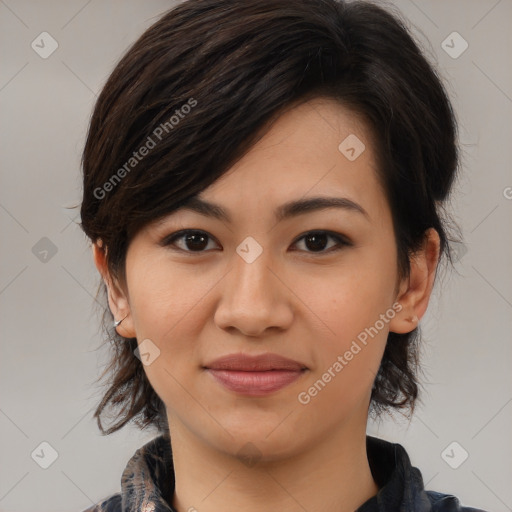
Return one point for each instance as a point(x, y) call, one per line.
point(147, 482)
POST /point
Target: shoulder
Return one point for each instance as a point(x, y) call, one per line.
point(110, 504)
point(448, 503)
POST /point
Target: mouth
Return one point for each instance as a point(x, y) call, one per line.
point(255, 375)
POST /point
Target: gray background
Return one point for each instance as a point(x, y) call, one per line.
point(49, 325)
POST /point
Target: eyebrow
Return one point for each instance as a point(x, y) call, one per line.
point(285, 211)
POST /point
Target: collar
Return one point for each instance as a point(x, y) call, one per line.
point(400, 484)
point(147, 483)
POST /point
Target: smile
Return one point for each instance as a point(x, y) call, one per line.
point(255, 375)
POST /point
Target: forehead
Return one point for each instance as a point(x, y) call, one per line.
point(315, 134)
point(323, 114)
point(301, 165)
point(318, 148)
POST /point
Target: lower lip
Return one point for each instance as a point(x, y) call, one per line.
point(255, 383)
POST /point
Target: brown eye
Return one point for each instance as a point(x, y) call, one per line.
point(316, 241)
point(189, 240)
point(197, 241)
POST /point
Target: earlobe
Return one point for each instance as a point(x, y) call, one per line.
point(415, 292)
point(117, 298)
point(403, 323)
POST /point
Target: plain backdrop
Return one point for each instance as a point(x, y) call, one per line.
point(50, 329)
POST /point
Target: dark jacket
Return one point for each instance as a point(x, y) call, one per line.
point(147, 483)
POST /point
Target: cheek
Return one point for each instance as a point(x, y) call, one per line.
point(355, 309)
point(353, 297)
point(166, 308)
point(165, 300)
point(347, 360)
point(170, 306)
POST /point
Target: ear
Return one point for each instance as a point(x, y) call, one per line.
point(117, 297)
point(414, 293)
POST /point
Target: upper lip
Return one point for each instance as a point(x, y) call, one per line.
point(257, 363)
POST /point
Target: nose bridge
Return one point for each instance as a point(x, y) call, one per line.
point(251, 277)
point(252, 299)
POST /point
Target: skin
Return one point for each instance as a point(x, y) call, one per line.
point(295, 300)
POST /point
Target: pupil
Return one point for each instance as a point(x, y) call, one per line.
point(191, 241)
point(314, 242)
point(318, 241)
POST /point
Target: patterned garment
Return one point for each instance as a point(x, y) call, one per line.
point(147, 483)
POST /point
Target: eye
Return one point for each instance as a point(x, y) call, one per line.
point(191, 240)
point(317, 240)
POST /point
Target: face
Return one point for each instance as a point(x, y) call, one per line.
point(316, 286)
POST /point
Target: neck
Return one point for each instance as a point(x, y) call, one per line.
point(333, 476)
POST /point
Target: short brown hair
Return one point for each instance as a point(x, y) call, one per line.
point(239, 65)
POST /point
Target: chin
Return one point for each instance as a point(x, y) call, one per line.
point(256, 438)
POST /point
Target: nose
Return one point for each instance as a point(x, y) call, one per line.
point(254, 298)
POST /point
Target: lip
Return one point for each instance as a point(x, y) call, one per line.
point(255, 375)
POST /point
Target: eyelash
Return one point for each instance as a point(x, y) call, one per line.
point(341, 240)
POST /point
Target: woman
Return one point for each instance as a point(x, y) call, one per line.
point(230, 140)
